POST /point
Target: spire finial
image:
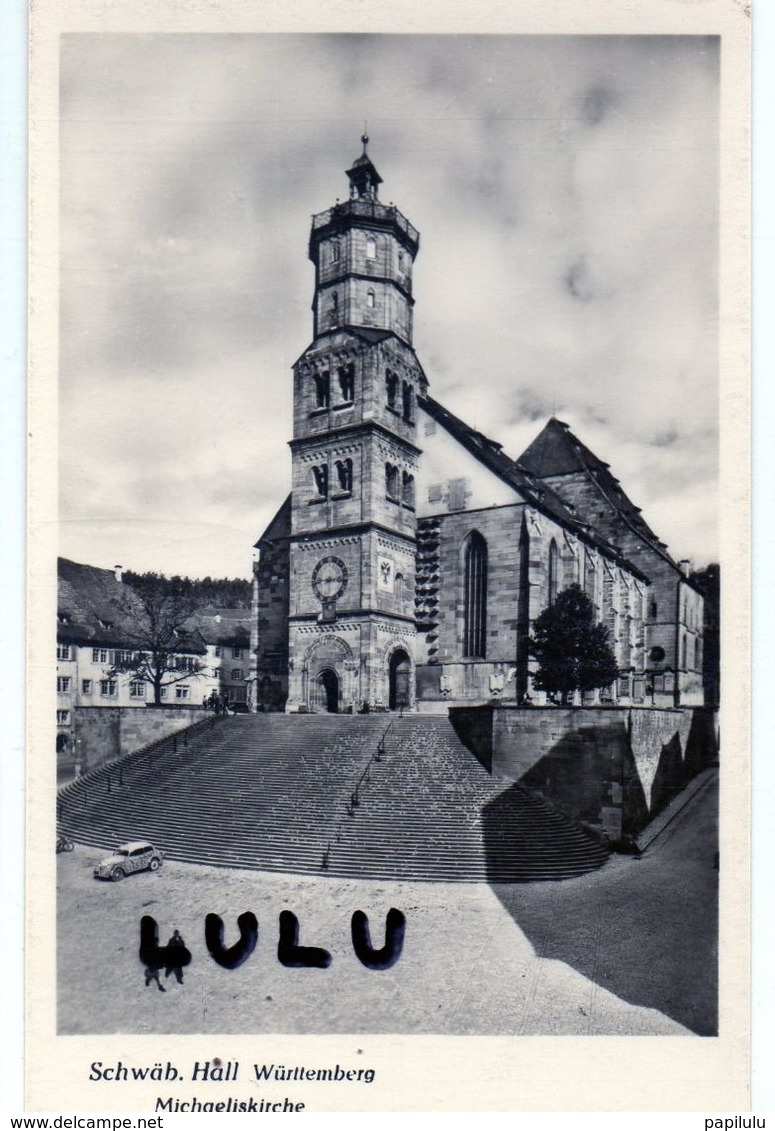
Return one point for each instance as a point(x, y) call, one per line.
point(365, 137)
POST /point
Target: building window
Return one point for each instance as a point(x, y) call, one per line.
point(182, 691)
point(99, 655)
point(123, 657)
point(63, 718)
point(407, 489)
point(398, 587)
point(108, 688)
point(163, 692)
point(63, 651)
point(457, 494)
point(475, 597)
point(322, 389)
point(137, 689)
point(238, 653)
point(344, 473)
point(320, 480)
point(391, 481)
point(391, 388)
point(334, 312)
point(407, 399)
point(346, 374)
point(371, 248)
point(63, 684)
point(217, 651)
point(370, 298)
point(236, 673)
point(335, 251)
point(85, 687)
point(653, 610)
point(552, 572)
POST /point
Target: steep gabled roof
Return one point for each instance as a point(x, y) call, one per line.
point(279, 527)
point(92, 605)
point(557, 451)
point(530, 486)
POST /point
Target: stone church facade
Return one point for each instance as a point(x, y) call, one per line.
point(412, 556)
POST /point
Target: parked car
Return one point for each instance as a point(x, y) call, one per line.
point(135, 856)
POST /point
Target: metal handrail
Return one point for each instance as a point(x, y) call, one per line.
point(354, 796)
point(133, 760)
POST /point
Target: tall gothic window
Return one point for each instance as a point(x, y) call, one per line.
point(407, 489)
point(370, 298)
point(371, 248)
point(475, 597)
point(335, 251)
point(553, 562)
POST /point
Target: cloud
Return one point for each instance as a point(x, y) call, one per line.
point(565, 191)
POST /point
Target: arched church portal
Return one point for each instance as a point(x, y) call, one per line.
point(399, 674)
point(326, 692)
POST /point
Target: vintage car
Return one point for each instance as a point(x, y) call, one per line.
point(135, 856)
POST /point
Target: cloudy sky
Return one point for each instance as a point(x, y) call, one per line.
point(565, 189)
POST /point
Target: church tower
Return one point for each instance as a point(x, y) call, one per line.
point(355, 455)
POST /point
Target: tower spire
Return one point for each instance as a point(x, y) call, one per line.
point(363, 176)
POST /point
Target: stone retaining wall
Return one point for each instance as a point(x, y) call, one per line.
point(104, 733)
point(614, 768)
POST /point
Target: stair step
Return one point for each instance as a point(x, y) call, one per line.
point(272, 792)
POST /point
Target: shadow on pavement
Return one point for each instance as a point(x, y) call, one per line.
point(645, 929)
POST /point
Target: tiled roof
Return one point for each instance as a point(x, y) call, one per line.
point(93, 607)
point(557, 451)
point(222, 626)
point(519, 476)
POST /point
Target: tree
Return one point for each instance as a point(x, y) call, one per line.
point(160, 649)
point(573, 652)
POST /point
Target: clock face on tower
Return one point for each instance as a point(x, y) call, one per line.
point(329, 579)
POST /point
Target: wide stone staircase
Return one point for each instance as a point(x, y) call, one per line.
point(370, 796)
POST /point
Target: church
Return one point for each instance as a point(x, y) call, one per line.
point(412, 556)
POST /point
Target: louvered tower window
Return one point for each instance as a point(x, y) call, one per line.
point(475, 597)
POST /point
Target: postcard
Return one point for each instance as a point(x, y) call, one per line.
point(389, 396)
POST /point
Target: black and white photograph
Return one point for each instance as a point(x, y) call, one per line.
point(389, 547)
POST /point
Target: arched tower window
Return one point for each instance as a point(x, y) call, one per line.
point(407, 489)
point(336, 251)
point(475, 597)
point(371, 248)
point(392, 481)
point(346, 375)
point(391, 388)
point(407, 402)
point(320, 480)
point(322, 389)
point(344, 473)
point(553, 563)
point(370, 298)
